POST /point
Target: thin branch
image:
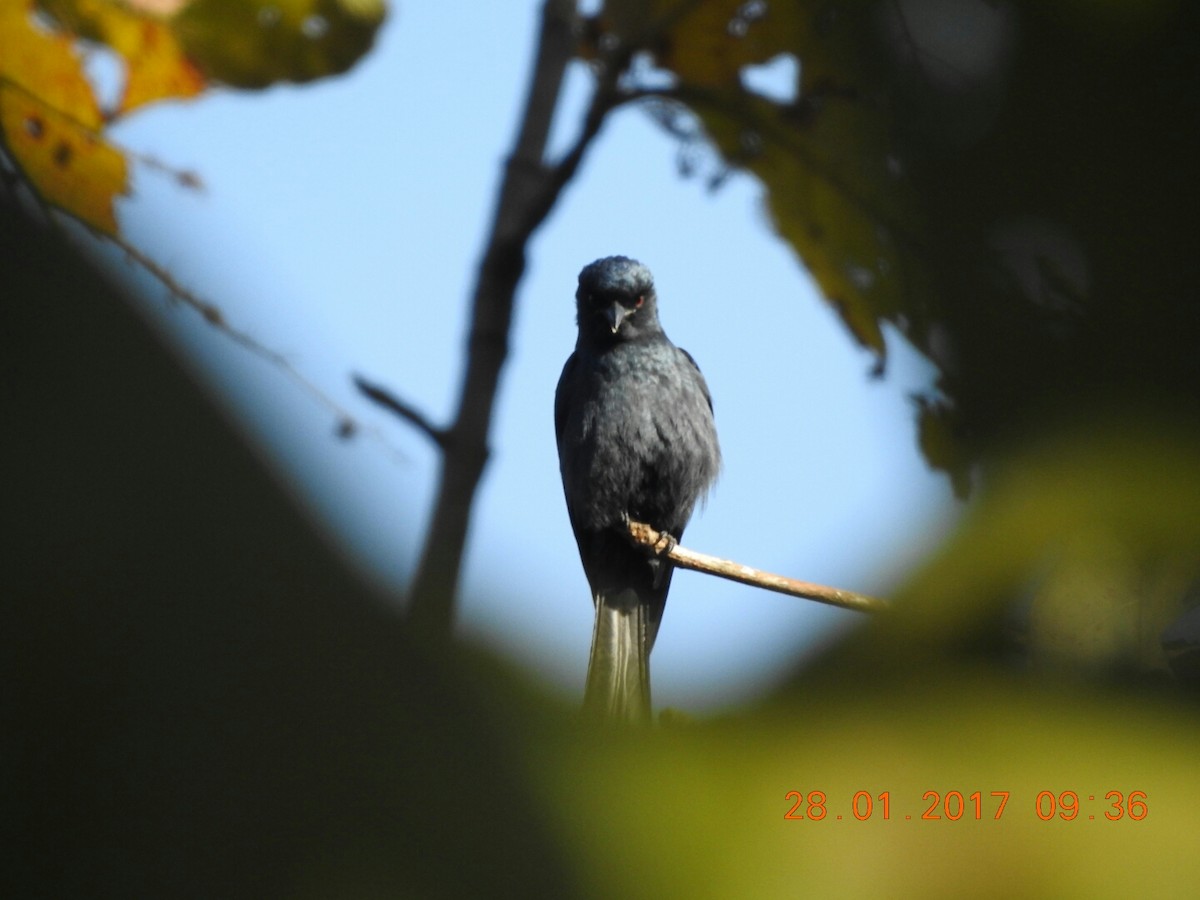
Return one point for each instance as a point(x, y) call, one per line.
point(210, 312)
point(408, 413)
point(347, 425)
point(664, 545)
point(527, 194)
point(12, 178)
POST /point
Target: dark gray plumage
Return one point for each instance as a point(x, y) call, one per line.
point(636, 440)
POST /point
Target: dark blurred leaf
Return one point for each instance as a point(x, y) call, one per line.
point(253, 43)
point(1075, 559)
point(1004, 183)
point(824, 157)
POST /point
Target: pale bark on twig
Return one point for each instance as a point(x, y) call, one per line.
point(664, 545)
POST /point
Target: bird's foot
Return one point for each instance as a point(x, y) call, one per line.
point(655, 543)
point(665, 544)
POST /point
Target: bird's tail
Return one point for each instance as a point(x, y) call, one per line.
point(618, 678)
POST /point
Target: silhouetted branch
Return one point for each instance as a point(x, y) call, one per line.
point(527, 194)
point(347, 425)
point(410, 414)
point(664, 545)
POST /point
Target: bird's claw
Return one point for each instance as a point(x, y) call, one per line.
point(665, 544)
point(640, 533)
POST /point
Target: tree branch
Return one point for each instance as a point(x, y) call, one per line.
point(664, 545)
point(527, 194)
point(347, 425)
point(405, 411)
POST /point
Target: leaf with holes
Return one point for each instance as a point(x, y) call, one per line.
point(156, 67)
point(822, 154)
point(50, 122)
point(253, 43)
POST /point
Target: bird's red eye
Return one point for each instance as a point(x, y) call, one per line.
point(640, 300)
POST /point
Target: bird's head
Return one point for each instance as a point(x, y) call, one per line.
point(616, 301)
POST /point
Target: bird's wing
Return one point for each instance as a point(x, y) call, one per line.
point(700, 375)
point(562, 397)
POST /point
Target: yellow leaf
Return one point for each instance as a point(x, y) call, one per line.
point(45, 64)
point(50, 121)
point(836, 213)
point(158, 69)
point(155, 64)
point(833, 190)
point(68, 164)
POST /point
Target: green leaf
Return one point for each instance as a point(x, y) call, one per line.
point(253, 43)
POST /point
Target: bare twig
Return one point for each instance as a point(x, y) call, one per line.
point(664, 545)
point(12, 176)
point(347, 424)
point(405, 411)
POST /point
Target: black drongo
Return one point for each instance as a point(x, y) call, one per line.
point(636, 440)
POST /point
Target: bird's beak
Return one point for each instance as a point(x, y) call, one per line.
point(616, 314)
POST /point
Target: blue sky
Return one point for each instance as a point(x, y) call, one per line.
point(340, 225)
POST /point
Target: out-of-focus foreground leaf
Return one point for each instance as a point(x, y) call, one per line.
point(199, 698)
point(702, 813)
point(1080, 553)
point(1096, 529)
point(253, 44)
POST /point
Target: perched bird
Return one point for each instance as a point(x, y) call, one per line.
point(636, 440)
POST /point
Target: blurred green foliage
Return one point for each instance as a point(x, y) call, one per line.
point(255, 43)
point(201, 701)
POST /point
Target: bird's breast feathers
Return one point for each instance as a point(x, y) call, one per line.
point(643, 434)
